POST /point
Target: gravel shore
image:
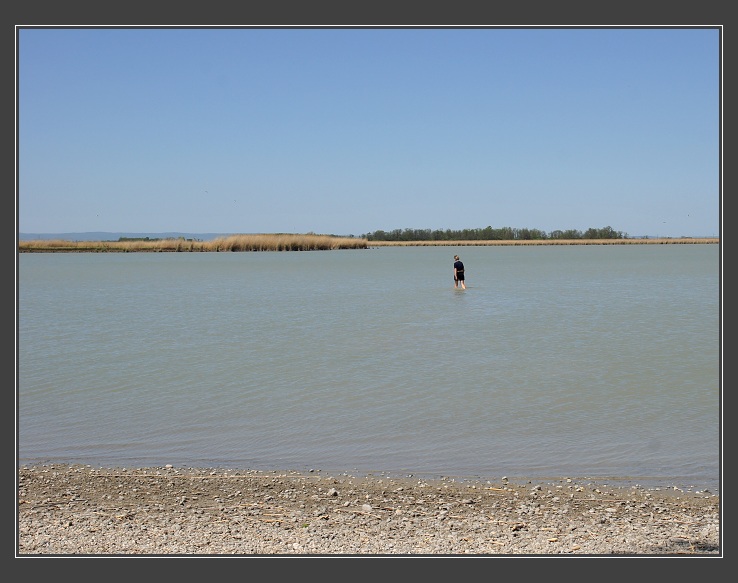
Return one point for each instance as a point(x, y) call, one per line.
point(79, 510)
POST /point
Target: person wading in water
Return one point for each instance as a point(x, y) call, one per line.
point(458, 273)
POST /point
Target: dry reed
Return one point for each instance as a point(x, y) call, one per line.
point(257, 242)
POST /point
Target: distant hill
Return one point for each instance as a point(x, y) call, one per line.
point(102, 236)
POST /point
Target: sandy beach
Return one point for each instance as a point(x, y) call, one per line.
point(80, 510)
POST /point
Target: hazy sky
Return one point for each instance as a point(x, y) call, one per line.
point(350, 130)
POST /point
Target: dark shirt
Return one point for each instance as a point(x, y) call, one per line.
point(458, 266)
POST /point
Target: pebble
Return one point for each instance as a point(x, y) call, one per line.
point(162, 511)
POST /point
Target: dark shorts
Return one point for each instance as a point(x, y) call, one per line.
point(460, 275)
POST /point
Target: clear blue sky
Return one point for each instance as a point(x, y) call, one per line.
point(348, 130)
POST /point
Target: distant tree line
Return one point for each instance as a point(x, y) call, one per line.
point(490, 234)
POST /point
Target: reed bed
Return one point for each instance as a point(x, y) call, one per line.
point(284, 242)
point(230, 243)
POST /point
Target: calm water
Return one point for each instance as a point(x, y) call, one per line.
point(597, 362)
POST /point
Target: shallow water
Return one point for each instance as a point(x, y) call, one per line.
point(582, 361)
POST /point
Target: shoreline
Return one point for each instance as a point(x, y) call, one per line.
point(75, 509)
point(548, 242)
point(317, 243)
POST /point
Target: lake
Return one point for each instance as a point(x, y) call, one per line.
point(591, 362)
